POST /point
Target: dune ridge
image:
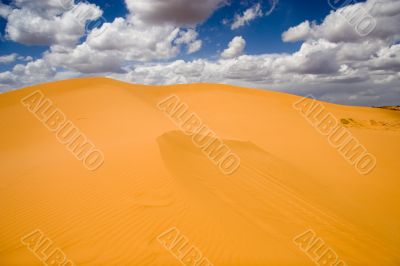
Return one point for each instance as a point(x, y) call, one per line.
point(154, 178)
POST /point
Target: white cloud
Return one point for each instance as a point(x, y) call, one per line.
point(34, 72)
point(194, 46)
point(84, 59)
point(235, 48)
point(248, 15)
point(123, 41)
point(189, 38)
point(330, 71)
point(135, 42)
point(4, 10)
point(317, 57)
point(25, 58)
point(299, 32)
point(61, 24)
point(47, 23)
point(4, 59)
point(31, 73)
point(45, 6)
point(341, 25)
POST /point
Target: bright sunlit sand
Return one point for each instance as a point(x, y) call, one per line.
point(154, 178)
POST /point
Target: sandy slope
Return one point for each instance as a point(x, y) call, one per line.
point(154, 178)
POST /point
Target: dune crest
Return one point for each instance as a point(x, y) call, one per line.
point(154, 179)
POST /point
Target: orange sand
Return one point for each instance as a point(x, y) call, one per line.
point(154, 178)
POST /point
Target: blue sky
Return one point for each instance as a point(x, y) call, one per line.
point(294, 46)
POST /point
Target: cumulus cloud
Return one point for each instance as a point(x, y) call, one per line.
point(189, 38)
point(194, 46)
point(387, 58)
point(4, 59)
point(317, 57)
point(123, 41)
point(175, 12)
point(25, 58)
point(61, 24)
point(346, 23)
point(129, 39)
point(84, 59)
point(248, 15)
point(235, 48)
point(343, 72)
point(4, 10)
point(31, 73)
point(135, 42)
point(48, 23)
point(297, 33)
point(49, 7)
point(279, 72)
point(305, 65)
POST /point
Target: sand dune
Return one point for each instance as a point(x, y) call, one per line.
point(154, 178)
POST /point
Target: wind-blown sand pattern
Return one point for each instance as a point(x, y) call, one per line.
point(153, 178)
point(392, 124)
